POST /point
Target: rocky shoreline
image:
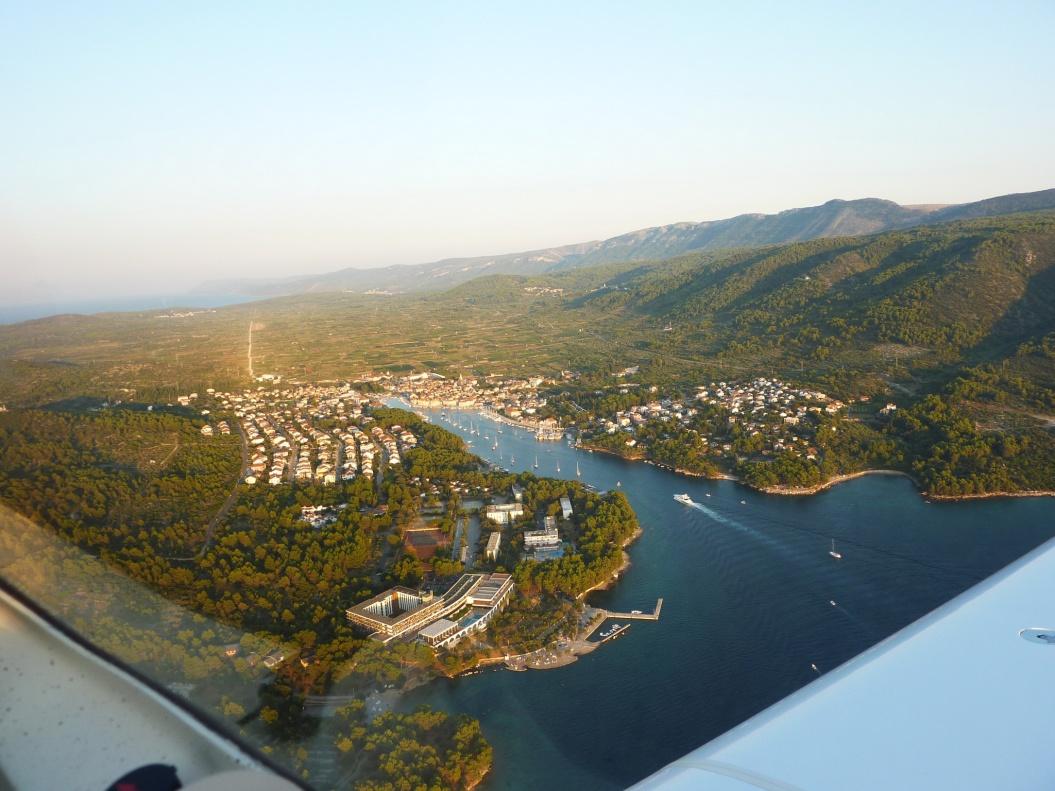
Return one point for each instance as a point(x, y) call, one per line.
point(800, 491)
point(992, 495)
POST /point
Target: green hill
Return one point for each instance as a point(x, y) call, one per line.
point(906, 310)
point(955, 323)
point(831, 219)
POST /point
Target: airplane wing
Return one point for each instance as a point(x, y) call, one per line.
point(961, 699)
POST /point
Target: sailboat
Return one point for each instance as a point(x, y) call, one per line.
point(536, 461)
point(578, 472)
point(833, 553)
point(558, 466)
point(512, 459)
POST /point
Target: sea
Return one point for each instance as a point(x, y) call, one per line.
point(11, 314)
point(748, 584)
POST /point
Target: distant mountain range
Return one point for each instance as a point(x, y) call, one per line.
point(832, 219)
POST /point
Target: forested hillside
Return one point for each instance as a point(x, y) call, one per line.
point(901, 313)
point(831, 219)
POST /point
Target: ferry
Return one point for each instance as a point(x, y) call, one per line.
point(684, 499)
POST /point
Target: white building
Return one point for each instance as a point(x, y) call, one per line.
point(504, 514)
point(547, 538)
point(494, 541)
point(565, 507)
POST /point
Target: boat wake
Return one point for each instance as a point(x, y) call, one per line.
point(778, 547)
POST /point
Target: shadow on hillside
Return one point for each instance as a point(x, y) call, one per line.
point(1027, 318)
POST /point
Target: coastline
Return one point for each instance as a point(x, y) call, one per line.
point(992, 495)
point(576, 648)
point(804, 491)
point(801, 491)
point(613, 578)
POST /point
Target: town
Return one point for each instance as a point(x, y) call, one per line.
point(513, 401)
point(766, 432)
point(452, 553)
point(285, 443)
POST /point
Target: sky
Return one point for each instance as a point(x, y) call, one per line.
point(146, 147)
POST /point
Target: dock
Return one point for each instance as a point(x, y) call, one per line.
point(614, 634)
point(639, 616)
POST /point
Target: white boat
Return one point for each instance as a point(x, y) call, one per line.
point(833, 553)
point(558, 466)
point(684, 499)
point(707, 495)
point(536, 462)
point(832, 603)
point(578, 472)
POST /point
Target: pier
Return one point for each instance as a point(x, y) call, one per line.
point(639, 616)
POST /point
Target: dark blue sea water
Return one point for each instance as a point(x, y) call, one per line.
point(747, 589)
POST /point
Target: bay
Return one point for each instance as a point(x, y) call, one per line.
point(747, 583)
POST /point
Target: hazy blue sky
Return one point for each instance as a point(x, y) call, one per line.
point(149, 146)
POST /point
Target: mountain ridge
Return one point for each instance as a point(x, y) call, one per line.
point(834, 218)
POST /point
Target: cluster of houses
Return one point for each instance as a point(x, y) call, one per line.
point(763, 406)
point(508, 400)
point(629, 419)
point(768, 396)
point(283, 431)
point(514, 398)
point(321, 515)
point(395, 441)
point(223, 428)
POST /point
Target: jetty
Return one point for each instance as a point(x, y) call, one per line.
point(614, 634)
point(639, 616)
